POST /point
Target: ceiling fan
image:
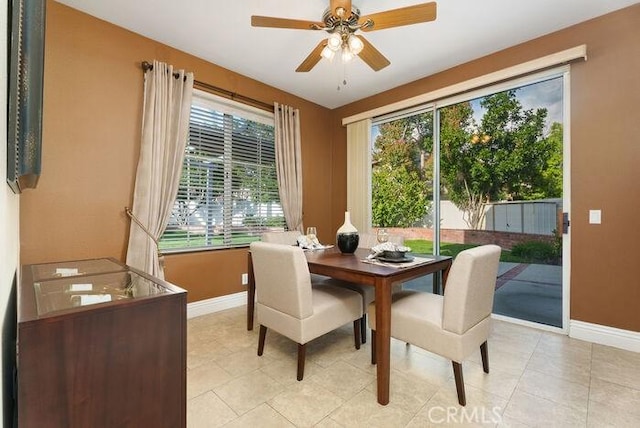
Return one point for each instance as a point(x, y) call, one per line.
point(341, 20)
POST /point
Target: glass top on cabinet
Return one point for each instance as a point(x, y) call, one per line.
point(78, 291)
point(42, 272)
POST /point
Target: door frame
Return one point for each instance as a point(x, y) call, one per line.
point(566, 198)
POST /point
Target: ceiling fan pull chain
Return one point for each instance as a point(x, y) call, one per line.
point(344, 74)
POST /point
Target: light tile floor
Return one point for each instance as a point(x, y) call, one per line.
point(537, 379)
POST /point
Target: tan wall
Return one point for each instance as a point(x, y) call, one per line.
point(92, 110)
point(605, 154)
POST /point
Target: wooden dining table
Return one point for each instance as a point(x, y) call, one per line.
point(352, 268)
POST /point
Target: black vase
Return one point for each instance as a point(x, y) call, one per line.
point(348, 242)
point(347, 237)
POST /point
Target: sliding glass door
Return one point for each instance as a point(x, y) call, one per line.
point(485, 167)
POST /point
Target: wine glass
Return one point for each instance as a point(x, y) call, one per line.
point(311, 233)
point(382, 236)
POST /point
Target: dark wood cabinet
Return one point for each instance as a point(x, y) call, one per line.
point(99, 344)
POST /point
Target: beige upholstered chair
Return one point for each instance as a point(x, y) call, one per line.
point(452, 325)
point(367, 292)
point(288, 304)
point(290, 237)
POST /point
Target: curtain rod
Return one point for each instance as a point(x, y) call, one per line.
point(219, 91)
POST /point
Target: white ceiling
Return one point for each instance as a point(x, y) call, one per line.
point(220, 32)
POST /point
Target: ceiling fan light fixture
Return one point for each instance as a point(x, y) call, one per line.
point(347, 55)
point(327, 53)
point(355, 44)
point(334, 41)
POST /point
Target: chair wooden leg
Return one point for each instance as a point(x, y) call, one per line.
point(485, 357)
point(356, 332)
point(373, 346)
point(457, 372)
point(263, 334)
point(301, 356)
point(363, 328)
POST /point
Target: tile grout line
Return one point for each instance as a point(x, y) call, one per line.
point(520, 378)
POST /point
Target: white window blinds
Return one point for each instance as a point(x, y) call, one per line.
point(228, 192)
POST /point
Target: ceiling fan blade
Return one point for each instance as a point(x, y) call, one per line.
point(340, 6)
point(398, 17)
point(372, 56)
point(298, 24)
point(313, 58)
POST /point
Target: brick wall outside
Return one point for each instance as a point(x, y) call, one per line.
point(505, 240)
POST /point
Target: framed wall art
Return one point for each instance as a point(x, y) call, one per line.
point(26, 74)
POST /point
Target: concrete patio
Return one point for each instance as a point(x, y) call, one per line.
point(531, 292)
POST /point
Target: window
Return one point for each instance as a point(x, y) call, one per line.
point(402, 169)
point(228, 193)
point(457, 163)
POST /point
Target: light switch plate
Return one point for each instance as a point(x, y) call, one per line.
point(595, 217)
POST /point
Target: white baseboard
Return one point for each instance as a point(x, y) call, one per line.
point(216, 304)
point(610, 336)
point(526, 323)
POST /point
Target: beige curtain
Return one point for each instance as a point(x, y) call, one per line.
point(165, 124)
point(289, 164)
point(359, 174)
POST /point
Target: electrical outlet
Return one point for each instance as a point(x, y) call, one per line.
point(245, 278)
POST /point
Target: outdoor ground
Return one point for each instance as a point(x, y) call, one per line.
point(531, 292)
